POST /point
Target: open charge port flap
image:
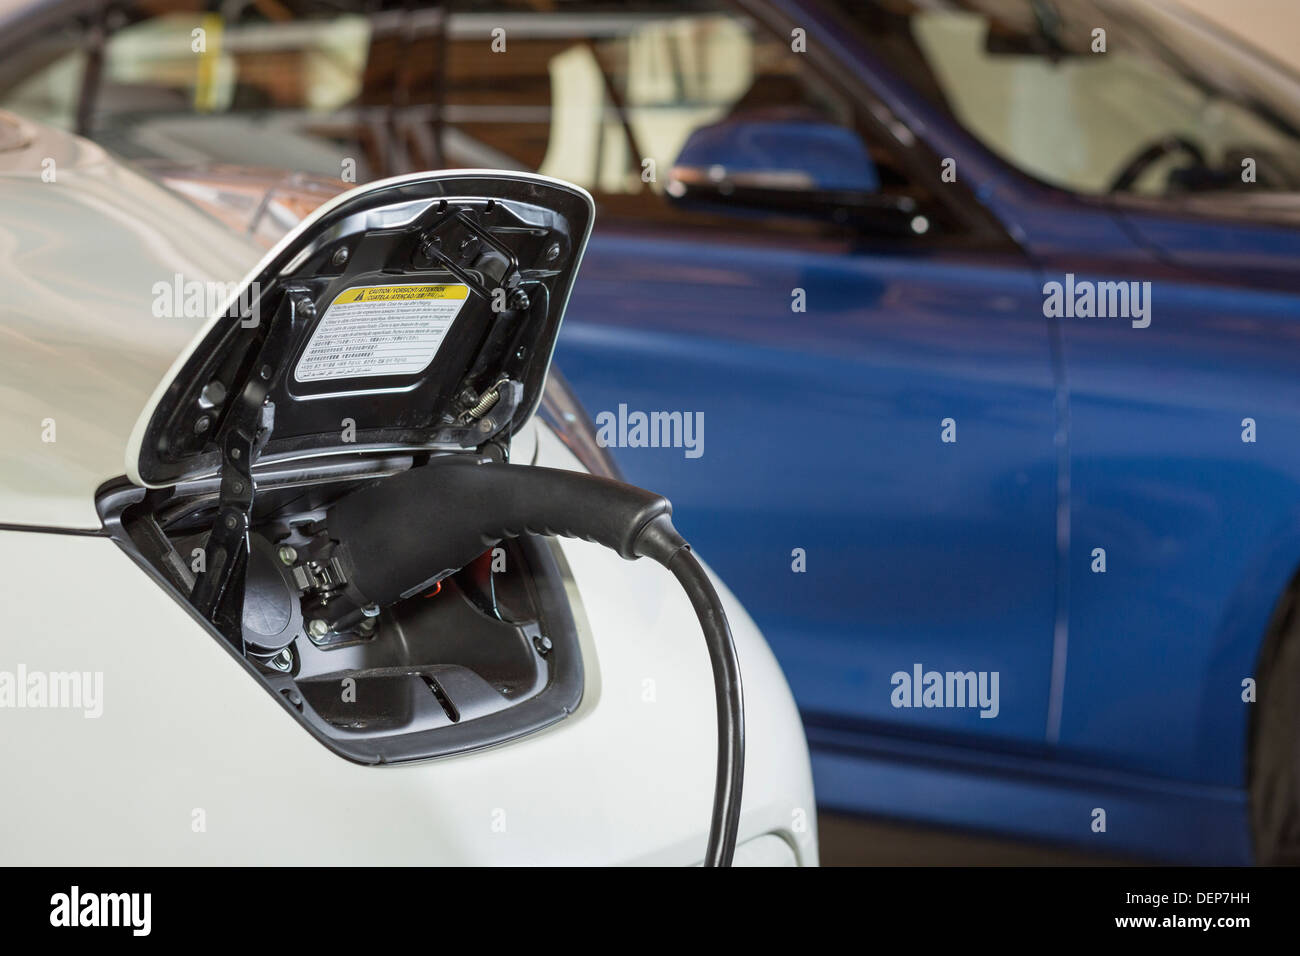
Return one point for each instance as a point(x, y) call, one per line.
point(422, 312)
point(478, 662)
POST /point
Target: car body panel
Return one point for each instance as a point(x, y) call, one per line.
point(1203, 524)
point(885, 353)
point(1199, 526)
point(625, 780)
point(80, 260)
point(1049, 801)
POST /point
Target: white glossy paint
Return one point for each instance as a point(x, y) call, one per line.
point(627, 779)
point(79, 344)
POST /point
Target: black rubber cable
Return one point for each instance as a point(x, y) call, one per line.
point(397, 535)
point(729, 696)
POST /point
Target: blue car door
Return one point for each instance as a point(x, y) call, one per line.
point(821, 487)
point(1165, 230)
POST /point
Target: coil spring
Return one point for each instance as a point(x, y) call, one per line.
point(485, 402)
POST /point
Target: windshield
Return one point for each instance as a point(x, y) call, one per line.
point(1093, 96)
point(1096, 97)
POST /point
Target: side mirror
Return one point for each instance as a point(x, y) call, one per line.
point(807, 169)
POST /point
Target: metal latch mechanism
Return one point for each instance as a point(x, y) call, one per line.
point(471, 235)
point(218, 592)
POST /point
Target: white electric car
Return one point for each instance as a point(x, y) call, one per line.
point(194, 666)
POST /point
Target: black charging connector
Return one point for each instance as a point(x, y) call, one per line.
point(401, 534)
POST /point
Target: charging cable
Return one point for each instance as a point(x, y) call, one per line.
point(399, 536)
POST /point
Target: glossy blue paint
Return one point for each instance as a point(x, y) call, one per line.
point(1042, 801)
point(834, 417)
point(1120, 689)
point(827, 156)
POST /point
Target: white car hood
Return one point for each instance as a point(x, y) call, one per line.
point(84, 242)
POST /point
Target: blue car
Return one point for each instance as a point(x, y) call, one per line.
point(963, 334)
point(918, 459)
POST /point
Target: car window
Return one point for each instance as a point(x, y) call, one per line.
point(606, 95)
point(252, 88)
point(1092, 96)
point(207, 63)
point(261, 84)
point(594, 92)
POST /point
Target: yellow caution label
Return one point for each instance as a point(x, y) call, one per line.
point(381, 330)
point(401, 293)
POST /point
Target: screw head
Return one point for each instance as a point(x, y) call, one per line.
point(317, 629)
point(287, 554)
point(202, 424)
point(340, 256)
point(553, 252)
point(543, 644)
